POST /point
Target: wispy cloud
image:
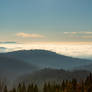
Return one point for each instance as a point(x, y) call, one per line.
point(27, 35)
point(86, 37)
point(79, 35)
point(8, 42)
point(77, 32)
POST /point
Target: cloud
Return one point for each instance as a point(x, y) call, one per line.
point(8, 42)
point(77, 32)
point(79, 35)
point(26, 35)
point(70, 32)
point(86, 37)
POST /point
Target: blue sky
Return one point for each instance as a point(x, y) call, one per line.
point(46, 20)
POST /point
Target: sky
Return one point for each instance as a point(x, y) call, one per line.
point(28, 21)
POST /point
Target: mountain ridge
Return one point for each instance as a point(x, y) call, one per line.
point(52, 75)
point(44, 58)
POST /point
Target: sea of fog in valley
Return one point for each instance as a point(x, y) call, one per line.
point(79, 51)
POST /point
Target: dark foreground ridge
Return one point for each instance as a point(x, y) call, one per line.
point(47, 74)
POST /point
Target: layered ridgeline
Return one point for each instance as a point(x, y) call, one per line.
point(11, 67)
point(47, 59)
point(38, 66)
point(53, 75)
point(17, 63)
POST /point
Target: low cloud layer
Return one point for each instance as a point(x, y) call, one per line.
point(80, 51)
point(26, 35)
point(77, 32)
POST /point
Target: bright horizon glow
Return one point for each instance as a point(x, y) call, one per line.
point(49, 42)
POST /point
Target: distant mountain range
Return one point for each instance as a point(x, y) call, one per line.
point(52, 75)
point(85, 67)
point(11, 67)
point(47, 59)
point(22, 62)
point(3, 49)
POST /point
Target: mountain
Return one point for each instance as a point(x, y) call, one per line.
point(11, 67)
point(3, 49)
point(45, 59)
point(57, 75)
point(85, 67)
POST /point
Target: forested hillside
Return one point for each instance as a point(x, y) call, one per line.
point(64, 86)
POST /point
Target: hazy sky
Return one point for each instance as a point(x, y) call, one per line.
point(46, 20)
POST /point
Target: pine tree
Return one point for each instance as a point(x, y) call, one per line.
point(23, 89)
point(19, 89)
point(35, 88)
point(45, 87)
point(5, 89)
point(14, 90)
point(63, 85)
point(29, 88)
point(74, 85)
